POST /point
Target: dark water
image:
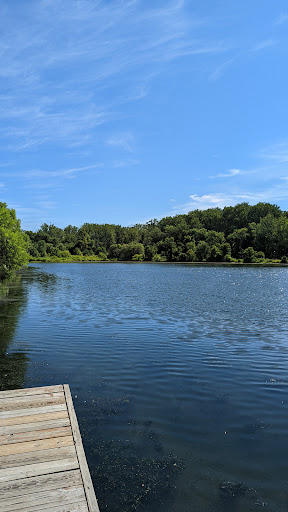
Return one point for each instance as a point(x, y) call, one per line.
point(179, 376)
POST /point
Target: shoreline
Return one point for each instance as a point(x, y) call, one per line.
point(207, 263)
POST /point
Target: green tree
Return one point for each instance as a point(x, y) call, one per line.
point(202, 251)
point(267, 236)
point(221, 235)
point(190, 251)
point(249, 255)
point(128, 251)
point(150, 251)
point(168, 248)
point(215, 238)
point(260, 210)
point(235, 217)
point(41, 247)
point(238, 241)
point(13, 243)
point(212, 219)
point(215, 253)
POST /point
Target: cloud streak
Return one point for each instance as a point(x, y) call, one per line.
point(220, 200)
point(276, 153)
point(283, 18)
point(229, 174)
point(64, 173)
point(122, 140)
point(60, 59)
point(268, 183)
point(263, 45)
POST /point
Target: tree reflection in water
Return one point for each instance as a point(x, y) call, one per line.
point(12, 365)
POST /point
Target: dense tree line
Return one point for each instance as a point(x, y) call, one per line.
point(13, 243)
point(241, 232)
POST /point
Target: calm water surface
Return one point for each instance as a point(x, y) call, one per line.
point(179, 376)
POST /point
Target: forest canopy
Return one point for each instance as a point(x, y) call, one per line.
point(13, 243)
point(235, 233)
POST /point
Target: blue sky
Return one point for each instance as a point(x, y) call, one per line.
point(121, 111)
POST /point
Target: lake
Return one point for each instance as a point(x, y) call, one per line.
point(178, 372)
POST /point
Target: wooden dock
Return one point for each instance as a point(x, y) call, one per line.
point(42, 461)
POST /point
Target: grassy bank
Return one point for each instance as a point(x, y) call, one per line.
point(95, 259)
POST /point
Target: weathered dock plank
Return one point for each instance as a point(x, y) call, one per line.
point(33, 418)
point(22, 459)
point(40, 483)
point(42, 461)
point(10, 404)
point(30, 391)
point(29, 412)
point(29, 427)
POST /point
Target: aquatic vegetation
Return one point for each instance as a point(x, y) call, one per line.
point(102, 407)
point(232, 492)
point(144, 479)
point(128, 473)
point(12, 370)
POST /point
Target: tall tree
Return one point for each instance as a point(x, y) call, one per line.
point(13, 243)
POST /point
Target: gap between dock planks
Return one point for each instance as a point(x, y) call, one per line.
point(42, 461)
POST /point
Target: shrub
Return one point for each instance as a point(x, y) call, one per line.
point(102, 256)
point(76, 251)
point(157, 257)
point(65, 255)
point(137, 257)
point(249, 255)
point(227, 258)
point(260, 255)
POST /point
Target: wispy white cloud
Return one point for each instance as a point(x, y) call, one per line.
point(218, 72)
point(62, 172)
point(47, 205)
point(220, 200)
point(241, 55)
point(282, 18)
point(276, 152)
point(38, 186)
point(262, 45)
point(268, 182)
point(59, 60)
point(121, 140)
point(228, 174)
point(203, 202)
point(31, 144)
point(125, 163)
